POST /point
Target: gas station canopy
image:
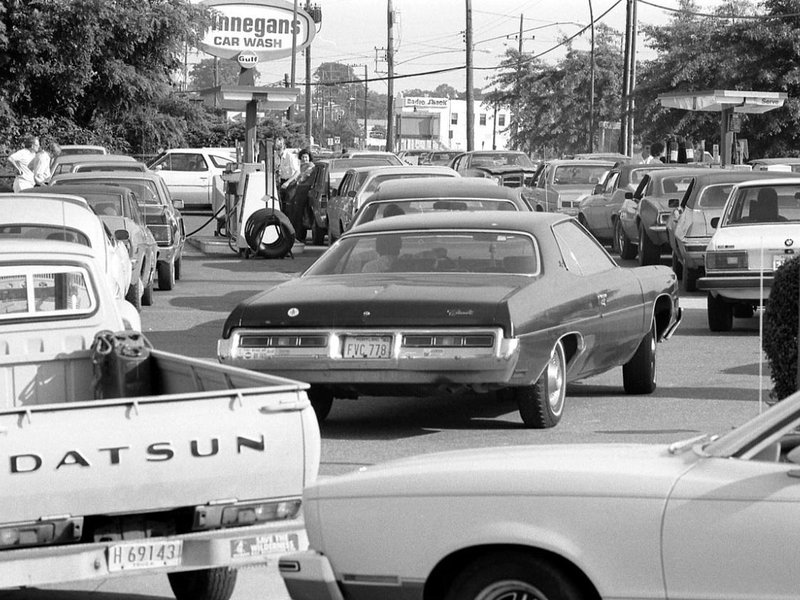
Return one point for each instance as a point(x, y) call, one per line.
point(719, 100)
point(236, 97)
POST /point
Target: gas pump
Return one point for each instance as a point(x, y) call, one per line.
point(252, 220)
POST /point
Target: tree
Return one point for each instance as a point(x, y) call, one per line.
point(90, 65)
point(211, 72)
point(723, 52)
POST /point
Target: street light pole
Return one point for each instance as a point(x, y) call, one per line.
point(470, 91)
point(591, 84)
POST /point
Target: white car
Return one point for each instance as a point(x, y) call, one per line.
point(759, 230)
point(69, 218)
point(189, 172)
point(709, 517)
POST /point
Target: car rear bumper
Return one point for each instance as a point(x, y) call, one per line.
point(737, 287)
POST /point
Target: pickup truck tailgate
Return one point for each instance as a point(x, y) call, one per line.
point(155, 453)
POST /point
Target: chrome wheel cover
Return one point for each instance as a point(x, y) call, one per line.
point(510, 590)
point(555, 382)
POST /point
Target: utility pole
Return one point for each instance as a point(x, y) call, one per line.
point(366, 132)
point(390, 82)
point(470, 91)
point(628, 80)
point(591, 83)
point(290, 112)
point(632, 82)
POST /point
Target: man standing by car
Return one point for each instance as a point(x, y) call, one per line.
point(287, 167)
point(21, 161)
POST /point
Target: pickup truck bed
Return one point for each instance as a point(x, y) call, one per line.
point(209, 468)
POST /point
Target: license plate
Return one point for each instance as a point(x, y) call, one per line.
point(144, 555)
point(368, 347)
point(264, 545)
point(779, 259)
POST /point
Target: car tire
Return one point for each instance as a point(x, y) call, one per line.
point(166, 275)
point(677, 266)
point(639, 373)
point(510, 574)
point(178, 265)
point(689, 281)
point(321, 401)
point(207, 584)
point(541, 405)
point(720, 313)
point(317, 234)
point(147, 295)
point(134, 295)
point(649, 253)
point(626, 248)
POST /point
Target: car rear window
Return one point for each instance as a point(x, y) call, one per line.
point(379, 210)
point(44, 291)
point(431, 252)
point(38, 231)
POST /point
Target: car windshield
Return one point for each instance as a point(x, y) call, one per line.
point(636, 174)
point(579, 174)
point(498, 159)
point(391, 208)
point(668, 185)
point(755, 205)
point(144, 189)
point(430, 252)
point(44, 232)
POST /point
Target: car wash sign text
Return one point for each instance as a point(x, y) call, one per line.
point(261, 27)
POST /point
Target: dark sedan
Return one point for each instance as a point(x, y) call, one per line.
point(459, 302)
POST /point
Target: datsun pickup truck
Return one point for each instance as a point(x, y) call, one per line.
point(196, 471)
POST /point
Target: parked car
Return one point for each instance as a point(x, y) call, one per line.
point(562, 184)
point(390, 156)
point(598, 212)
point(189, 172)
point(509, 168)
point(642, 224)
point(437, 194)
point(786, 164)
point(66, 217)
point(706, 517)
point(72, 149)
point(412, 155)
point(66, 163)
point(438, 157)
point(759, 230)
point(322, 184)
point(689, 226)
point(161, 213)
point(455, 302)
point(119, 211)
point(359, 184)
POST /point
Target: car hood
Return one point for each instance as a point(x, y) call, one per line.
point(642, 470)
point(748, 237)
point(457, 300)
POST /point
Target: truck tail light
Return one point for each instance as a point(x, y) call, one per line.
point(41, 533)
point(239, 514)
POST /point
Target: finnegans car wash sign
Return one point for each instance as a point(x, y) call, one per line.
point(261, 27)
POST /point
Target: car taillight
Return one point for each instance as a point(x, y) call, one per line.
point(283, 341)
point(161, 233)
point(448, 341)
point(717, 260)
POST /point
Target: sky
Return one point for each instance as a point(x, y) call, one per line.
point(429, 36)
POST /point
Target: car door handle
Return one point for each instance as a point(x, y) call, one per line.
point(602, 299)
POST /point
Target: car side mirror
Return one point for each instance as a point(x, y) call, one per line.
point(673, 202)
point(351, 194)
point(177, 203)
point(628, 195)
point(715, 222)
point(122, 235)
point(598, 189)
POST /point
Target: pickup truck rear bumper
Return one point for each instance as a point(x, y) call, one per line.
point(239, 547)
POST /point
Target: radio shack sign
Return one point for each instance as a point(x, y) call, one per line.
point(255, 28)
point(425, 102)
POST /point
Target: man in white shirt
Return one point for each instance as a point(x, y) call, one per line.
point(21, 161)
point(42, 164)
point(287, 166)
